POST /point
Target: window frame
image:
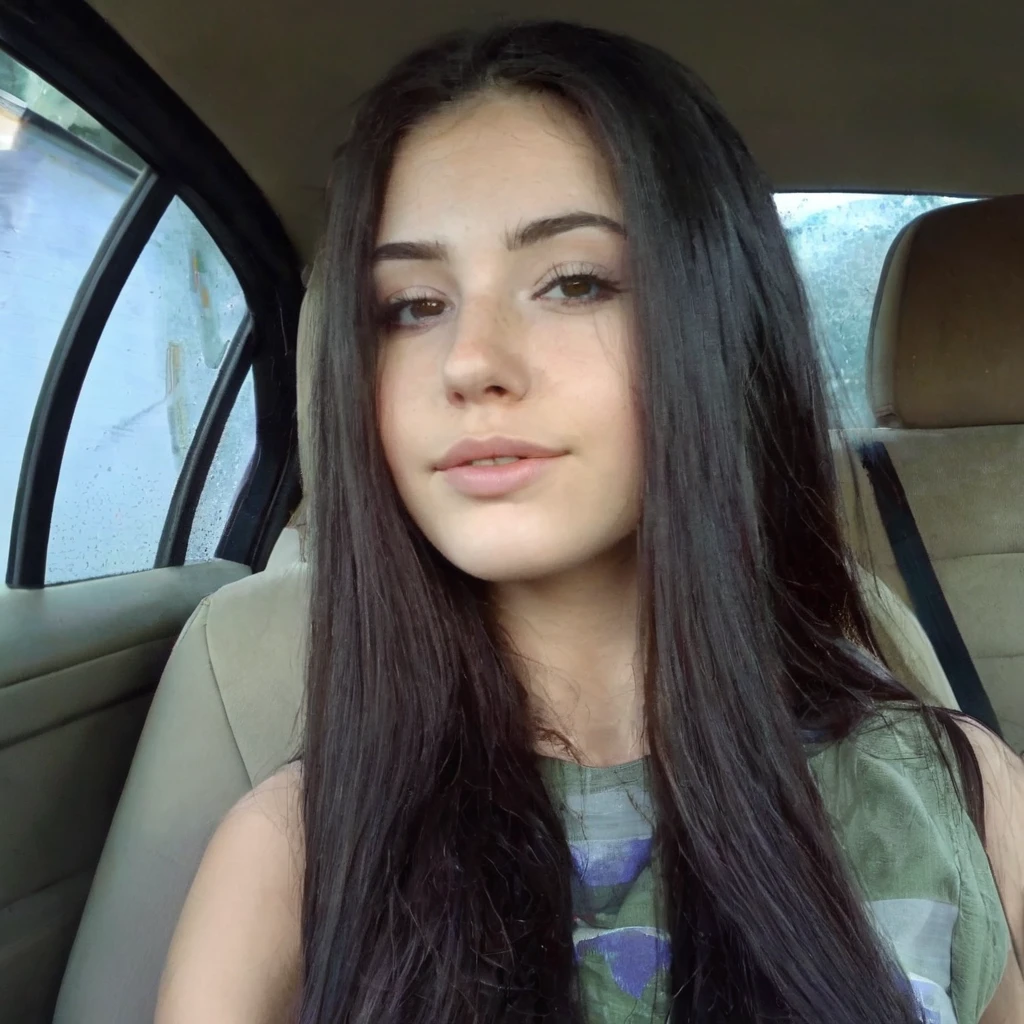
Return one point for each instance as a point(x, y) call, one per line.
point(103, 75)
point(188, 490)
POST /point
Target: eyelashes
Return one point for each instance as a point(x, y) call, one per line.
point(390, 313)
point(580, 284)
point(567, 273)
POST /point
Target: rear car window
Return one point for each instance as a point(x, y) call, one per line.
point(839, 241)
point(70, 192)
point(139, 409)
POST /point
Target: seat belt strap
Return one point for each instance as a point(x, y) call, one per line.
point(930, 604)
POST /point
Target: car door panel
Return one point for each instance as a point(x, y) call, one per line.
point(80, 663)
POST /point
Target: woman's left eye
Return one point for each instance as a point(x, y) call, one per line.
point(579, 288)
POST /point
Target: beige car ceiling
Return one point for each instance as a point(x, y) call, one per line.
point(879, 96)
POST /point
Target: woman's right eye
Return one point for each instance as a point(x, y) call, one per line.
point(412, 312)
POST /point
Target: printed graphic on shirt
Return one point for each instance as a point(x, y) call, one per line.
point(933, 1001)
point(610, 862)
point(607, 871)
point(633, 956)
point(624, 959)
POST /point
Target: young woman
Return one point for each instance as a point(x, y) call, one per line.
point(596, 726)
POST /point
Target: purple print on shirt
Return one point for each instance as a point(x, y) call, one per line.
point(633, 955)
point(919, 989)
point(612, 861)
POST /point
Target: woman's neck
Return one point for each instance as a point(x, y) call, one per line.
point(576, 637)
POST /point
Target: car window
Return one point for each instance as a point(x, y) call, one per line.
point(65, 184)
point(227, 473)
point(57, 200)
point(153, 370)
point(840, 241)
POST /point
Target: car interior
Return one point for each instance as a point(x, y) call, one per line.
point(139, 699)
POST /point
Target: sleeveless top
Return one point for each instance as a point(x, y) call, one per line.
point(915, 855)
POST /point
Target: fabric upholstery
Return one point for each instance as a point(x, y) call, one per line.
point(257, 643)
point(186, 773)
point(946, 377)
point(310, 327)
point(224, 717)
point(947, 339)
point(905, 646)
point(966, 489)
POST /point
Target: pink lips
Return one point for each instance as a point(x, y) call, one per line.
point(494, 481)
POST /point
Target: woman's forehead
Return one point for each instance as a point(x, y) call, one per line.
point(492, 161)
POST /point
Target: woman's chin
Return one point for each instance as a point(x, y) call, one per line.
point(498, 560)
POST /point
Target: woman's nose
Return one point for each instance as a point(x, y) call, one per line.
point(486, 359)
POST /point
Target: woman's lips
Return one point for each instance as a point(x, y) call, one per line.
point(497, 481)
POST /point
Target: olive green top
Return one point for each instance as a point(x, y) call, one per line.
point(909, 843)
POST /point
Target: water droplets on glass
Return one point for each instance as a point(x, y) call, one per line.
point(227, 472)
point(147, 386)
point(58, 197)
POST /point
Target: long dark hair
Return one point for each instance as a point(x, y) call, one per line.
point(437, 882)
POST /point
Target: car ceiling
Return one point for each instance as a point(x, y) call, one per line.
point(874, 96)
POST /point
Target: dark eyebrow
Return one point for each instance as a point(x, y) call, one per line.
point(547, 227)
point(410, 251)
point(528, 234)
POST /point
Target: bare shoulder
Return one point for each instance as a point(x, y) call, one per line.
point(1002, 773)
point(276, 804)
point(236, 950)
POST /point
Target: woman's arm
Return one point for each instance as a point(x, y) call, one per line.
point(235, 954)
point(1002, 772)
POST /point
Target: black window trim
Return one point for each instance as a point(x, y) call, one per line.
point(266, 499)
point(177, 529)
point(71, 46)
point(117, 255)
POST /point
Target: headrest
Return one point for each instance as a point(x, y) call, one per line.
point(310, 319)
point(947, 337)
point(287, 549)
point(305, 346)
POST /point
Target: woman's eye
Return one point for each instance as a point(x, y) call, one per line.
point(413, 312)
point(579, 288)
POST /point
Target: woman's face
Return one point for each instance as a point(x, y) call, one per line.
point(501, 276)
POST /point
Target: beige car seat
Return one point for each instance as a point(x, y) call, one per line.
point(946, 381)
point(226, 715)
point(905, 647)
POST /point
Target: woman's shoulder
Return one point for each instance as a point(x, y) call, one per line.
point(896, 748)
point(892, 790)
point(236, 951)
point(264, 828)
point(275, 803)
